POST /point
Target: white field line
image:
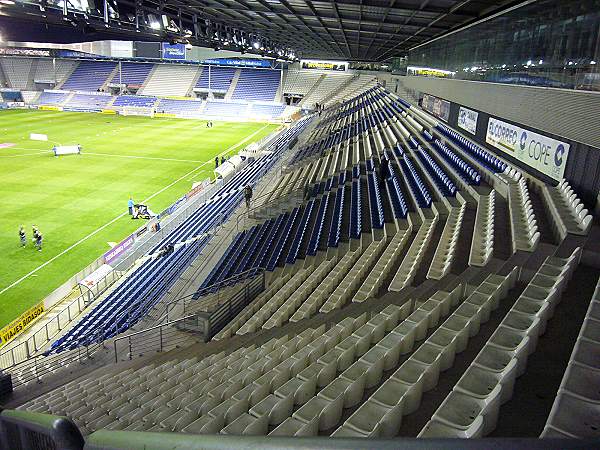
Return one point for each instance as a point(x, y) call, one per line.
point(25, 154)
point(96, 231)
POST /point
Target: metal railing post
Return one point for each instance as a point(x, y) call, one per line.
point(161, 338)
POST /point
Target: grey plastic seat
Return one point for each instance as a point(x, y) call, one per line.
point(587, 353)
point(575, 416)
point(582, 381)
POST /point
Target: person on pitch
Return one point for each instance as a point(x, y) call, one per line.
point(22, 236)
point(37, 238)
point(130, 204)
point(216, 162)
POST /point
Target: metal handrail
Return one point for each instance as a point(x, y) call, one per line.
point(26, 349)
point(160, 327)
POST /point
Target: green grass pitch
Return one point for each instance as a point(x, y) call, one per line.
point(71, 197)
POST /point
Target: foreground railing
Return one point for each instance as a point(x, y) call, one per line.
point(23, 430)
point(214, 321)
point(158, 339)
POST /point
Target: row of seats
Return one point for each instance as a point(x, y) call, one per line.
point(567, 210)
point(419, 189)
point(355, 277)
point(216, 79)
point(132, 74)
point(524, 229)
point(254, 84)
point(170, 80)
point(490, 161)
point(382, 268)
point(53, 71)
point(172, 106)
point(576, 408)
point(355, 210)
point(89, 76)
point(448, 245)
point(440, 178)
point(482, 242)
point(88, 101)
point(400, 395)
point(408, 268)
point(469, 174)
point(299, 83)
point(52, 98)
point(472, 407)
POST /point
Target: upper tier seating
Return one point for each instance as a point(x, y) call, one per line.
point(89, 76)
point(216, 79)
point(170, 79)
point(300, 82)
point(132, 74)
point(255, 84)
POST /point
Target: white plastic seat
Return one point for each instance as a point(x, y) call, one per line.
point(329, 411)
point(420, 319)
point(295, 427)
point(587, 353)
point(447, 342)
point(480, 382)
point(461, 410)
point(407, 384)
point(277, 409)
point(248, 425)
point(430, 357)
point(459, 326)
point(435, 429)
point(299, 390)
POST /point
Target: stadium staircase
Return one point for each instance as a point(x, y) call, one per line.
point(195, 82)
point(428, 305)
point(312, 90)
point(67, 75)
point(109, 79)
point(233, 85)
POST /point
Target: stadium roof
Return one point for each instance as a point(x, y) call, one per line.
point(365, 30)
